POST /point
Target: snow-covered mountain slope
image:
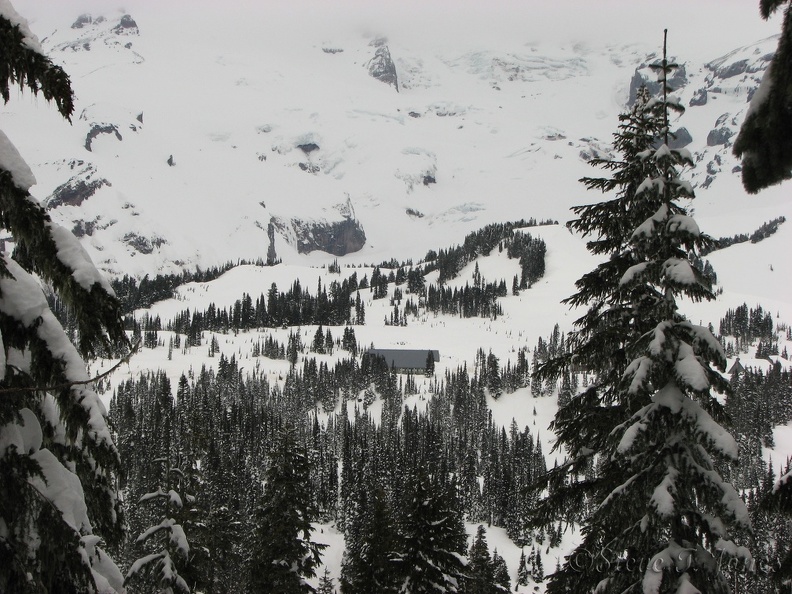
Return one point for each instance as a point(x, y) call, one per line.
point(215, 133)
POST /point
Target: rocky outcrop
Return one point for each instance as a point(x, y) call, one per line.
point(680, 139)
point(97, 129)
point(126, 26)
point(699, 98)
point(78, 189)
point(719, 136)
point(381, 66)
point(82, 21)
point(337, 237)
point(141, 244)
point(644, 76)
point(723, 131)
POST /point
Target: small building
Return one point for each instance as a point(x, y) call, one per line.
point(406, 360)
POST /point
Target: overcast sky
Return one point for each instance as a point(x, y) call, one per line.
point(707, 28)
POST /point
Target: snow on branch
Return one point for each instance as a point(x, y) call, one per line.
point(647, 228)
point(73, 255)
point(672, 398)
point(12, 161)
point(22, 299)
point(662, 499)
point(8, 12)
point(679, 272)
point(679, 223)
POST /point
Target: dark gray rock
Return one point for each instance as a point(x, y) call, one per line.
point(642, 77)
point(680, 139)
point(733, 69)
point(308, 147)
point(309, 167)
point(337, 238)
point(719, 136)
point(82, 21)
point(381, 66)
point(97, 129)
point(699, 98)
point(142, 244)
point(126, 26)
point(77, 190)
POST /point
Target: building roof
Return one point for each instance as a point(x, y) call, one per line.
point(405, 358)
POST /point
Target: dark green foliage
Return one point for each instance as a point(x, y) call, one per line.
point(433, 538)
point(480, 574)
point(372, 540)
point(51, 421)
point(765, 138)
point(283, 554)
point(500, 573)
point(325, 584)
point(25, 67)
point(764, 231)
point(643, 441)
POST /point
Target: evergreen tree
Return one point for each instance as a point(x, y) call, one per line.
point(778, 499)
point(765, 138)
point(58, 463)
point(368, 564)
point(523, 571)
point(283, 553)
point(500, 573)
point(430, 364)
point(168, 553)
point(537, 567)
point(645, 437)
point(433, 538)
point(326, 584)
point(479, 571)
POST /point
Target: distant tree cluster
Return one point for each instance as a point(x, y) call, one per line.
point(747, 325)
point(763, 232)
point(520, 245)
point(142, 294)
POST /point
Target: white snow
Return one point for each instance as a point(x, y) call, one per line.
point(632, 273)
point(63, 489)
point(8, 11)
point(663, 495)
point(684, 224)
point(689, 370)
point(679, 271)
point(72, 253)
point(12, 161)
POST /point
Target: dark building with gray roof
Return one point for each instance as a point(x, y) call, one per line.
point(406, 360)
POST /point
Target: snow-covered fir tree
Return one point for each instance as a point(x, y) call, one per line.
point(660, 516)
point(165, 543)
point(371, 540)
point(432, 557)
point(58, 463)
point(479, 571)
point(283, 553)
